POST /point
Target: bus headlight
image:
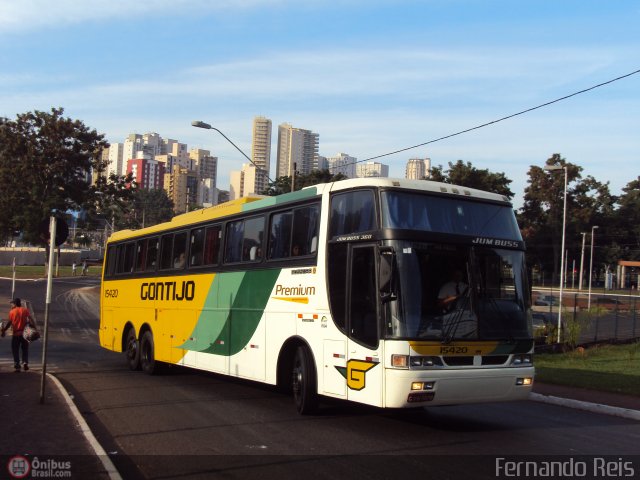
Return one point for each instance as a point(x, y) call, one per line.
point(425, 362)
point(524, 360)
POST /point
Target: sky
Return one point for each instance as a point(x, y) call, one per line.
point(370, 77)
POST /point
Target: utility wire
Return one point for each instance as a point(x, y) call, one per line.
point(501, 119)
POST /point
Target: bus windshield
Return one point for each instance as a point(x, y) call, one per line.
point(462, 284)
point(453, 292)
point(459, 216)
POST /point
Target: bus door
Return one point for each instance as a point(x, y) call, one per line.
point(364, 372)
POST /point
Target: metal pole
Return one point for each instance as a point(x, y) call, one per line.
point(52, 242)
point(13, 282)
point(564, 223)
point(593, 229)
point(584, 235)
point(293, 178)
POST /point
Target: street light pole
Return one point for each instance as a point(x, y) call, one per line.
point(553, 168)
point(593, 230)
point(206, 126)
point(584, 235)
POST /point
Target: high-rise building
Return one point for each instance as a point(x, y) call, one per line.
point(116, 165)
point(207, 192)
point(205, 165)
point(181, 185)
point(148, 174)
point(243, 183)
point(261, 151)
point(418, 168)
point(296, 146)
point(372, 169)
point(342, 163)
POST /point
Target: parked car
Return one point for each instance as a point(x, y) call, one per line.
point(610, 303)
point(540, 326)
point(546, 301)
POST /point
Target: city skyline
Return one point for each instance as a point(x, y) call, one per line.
point(368, 77)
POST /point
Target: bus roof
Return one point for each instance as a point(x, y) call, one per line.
point(246, 204)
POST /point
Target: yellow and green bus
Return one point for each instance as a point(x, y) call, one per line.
point(338, 290)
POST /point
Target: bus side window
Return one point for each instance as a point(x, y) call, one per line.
point(119, 259)
point(280, 235)
point(141, 254)
point(253, 235)
point(166, 245)
point(111, 260)
point(179, 250)
point(197, 245)
point(152, 255)
point(234, 237)
point(212, 245)
point(305, 229)
point(129, 253)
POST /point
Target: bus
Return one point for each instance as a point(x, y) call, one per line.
point(335, 290)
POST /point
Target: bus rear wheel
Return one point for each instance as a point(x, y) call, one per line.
point(147, 356)
point(132, 349)
point(304, 382)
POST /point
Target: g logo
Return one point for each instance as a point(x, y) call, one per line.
point(355, 373)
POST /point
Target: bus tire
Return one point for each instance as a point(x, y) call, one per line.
point(147, 358)
point(303, 382)
point(132, 349)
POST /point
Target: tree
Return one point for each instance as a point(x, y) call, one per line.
point(283, 184)
point(45, 164)
point(541, 217)
point(149, 207)
point(110, 200)
point(467, 175)
point(626, 224)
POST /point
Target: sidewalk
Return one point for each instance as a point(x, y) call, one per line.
point(48, 435)
point(626, 406)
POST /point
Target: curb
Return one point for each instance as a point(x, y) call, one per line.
point(590, 407)
point(86, 431)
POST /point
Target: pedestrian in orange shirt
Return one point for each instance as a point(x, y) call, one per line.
point(19, 317)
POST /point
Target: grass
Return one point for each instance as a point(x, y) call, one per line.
point(609, 368)
point(38, 271)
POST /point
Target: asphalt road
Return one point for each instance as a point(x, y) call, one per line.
point(191, 424)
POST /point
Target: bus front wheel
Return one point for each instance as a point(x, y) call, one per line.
point(304, 382)
point(132, 349)
point(147, 358)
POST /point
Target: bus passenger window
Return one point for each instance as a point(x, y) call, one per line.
point(141, 254)
point(166, 245)
point(212, 245)
point(111, 260)
point(197, 244)
point(280, 235)
point(253, 234)
point(179, 250)
point(233, 247)
point(152, 255)
point(305, 229)
point(128, 257)
point(119, 259)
